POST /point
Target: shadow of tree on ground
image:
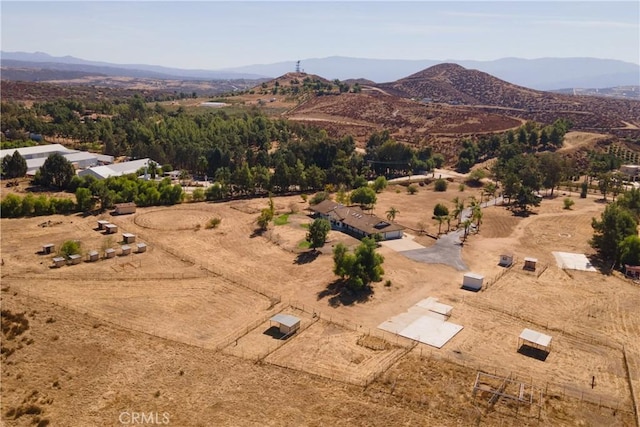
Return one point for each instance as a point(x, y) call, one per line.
point(306, 257)
point(340, 294)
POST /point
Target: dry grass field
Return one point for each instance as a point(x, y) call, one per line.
point(179, 328)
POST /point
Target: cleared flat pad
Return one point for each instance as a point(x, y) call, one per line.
point(423, 324)
point(400, 245)
point(571, 261)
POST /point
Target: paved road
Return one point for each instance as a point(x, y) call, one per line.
point(448, 249)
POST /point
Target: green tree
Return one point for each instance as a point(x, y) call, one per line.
point(380, 184)
point(552, 168)
point(568, 203)
point(440, 210)
point(616, 224)
point(11, 206)
point(525, 198)
point(360, 268)
point(604, 184)
point(70, 247)
point(630, 251)
point(440, 185)
point(14, 166)
point(56, 172)
point(458, 208)
point(364, 196)
point(84, 199)
point(318, 231)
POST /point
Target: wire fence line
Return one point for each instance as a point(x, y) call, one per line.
point(549, 388)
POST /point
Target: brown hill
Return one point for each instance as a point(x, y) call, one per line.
point(454, 84)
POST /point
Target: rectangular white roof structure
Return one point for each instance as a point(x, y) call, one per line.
point(571, 261)
point(75, 256)
point(285, 319)
point(432, 304)
point(431, 331)
point(535, 337)
point(128, 235)
point(425, 322)
point(531, 259)
point(116, 169)
point(36, 151)
point(474, 276)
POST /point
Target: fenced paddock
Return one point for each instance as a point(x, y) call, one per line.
point(332, 351)
point(264, 339)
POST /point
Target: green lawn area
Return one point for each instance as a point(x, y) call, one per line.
point(304, 245)
point(281, 220)
point(305, 226)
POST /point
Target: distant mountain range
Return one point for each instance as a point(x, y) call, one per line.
point(541, 74)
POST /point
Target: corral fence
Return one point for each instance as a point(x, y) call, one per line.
point(549, 388)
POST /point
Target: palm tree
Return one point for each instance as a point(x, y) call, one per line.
point(440, 220)
point(477, 216)
point(458, 208)
point(391, 213)
point(466, 224)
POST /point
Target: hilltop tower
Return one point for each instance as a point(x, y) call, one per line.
point(298, 67)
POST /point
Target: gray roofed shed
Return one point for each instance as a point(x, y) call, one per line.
point(288, 323)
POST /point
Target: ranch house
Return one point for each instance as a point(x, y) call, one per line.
point(353, 220)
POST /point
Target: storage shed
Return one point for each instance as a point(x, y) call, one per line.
point(59, 261)
point(506, 260)
point(109, 253)
point(288, 324)
point(102, 224)
point(111, 228)
point(49, 248)
point(142, 247)
point(530, 263)
point(128, 237)
point(126, 250)
point(75, 259)
point(472, 281)
point(92, 256)
point(125, 208)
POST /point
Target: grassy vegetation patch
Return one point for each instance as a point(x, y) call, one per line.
point(304, 244)
point(281, 220)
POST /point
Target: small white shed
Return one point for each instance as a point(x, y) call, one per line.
point(59, 261)
point(49, 248)
point(92, 256)
point(126, 250)
point(142, 247)
point(109, 253)
point(102, 223)
point(506, 260)
point(111, 228)
point(75, 259)
point(288, 324)
point(472, 281)
point(128, 237)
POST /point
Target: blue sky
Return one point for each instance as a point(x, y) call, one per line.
point(214, 35)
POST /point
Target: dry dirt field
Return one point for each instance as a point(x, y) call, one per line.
point(182, 327)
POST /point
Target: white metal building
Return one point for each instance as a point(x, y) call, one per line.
point(116, 169)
